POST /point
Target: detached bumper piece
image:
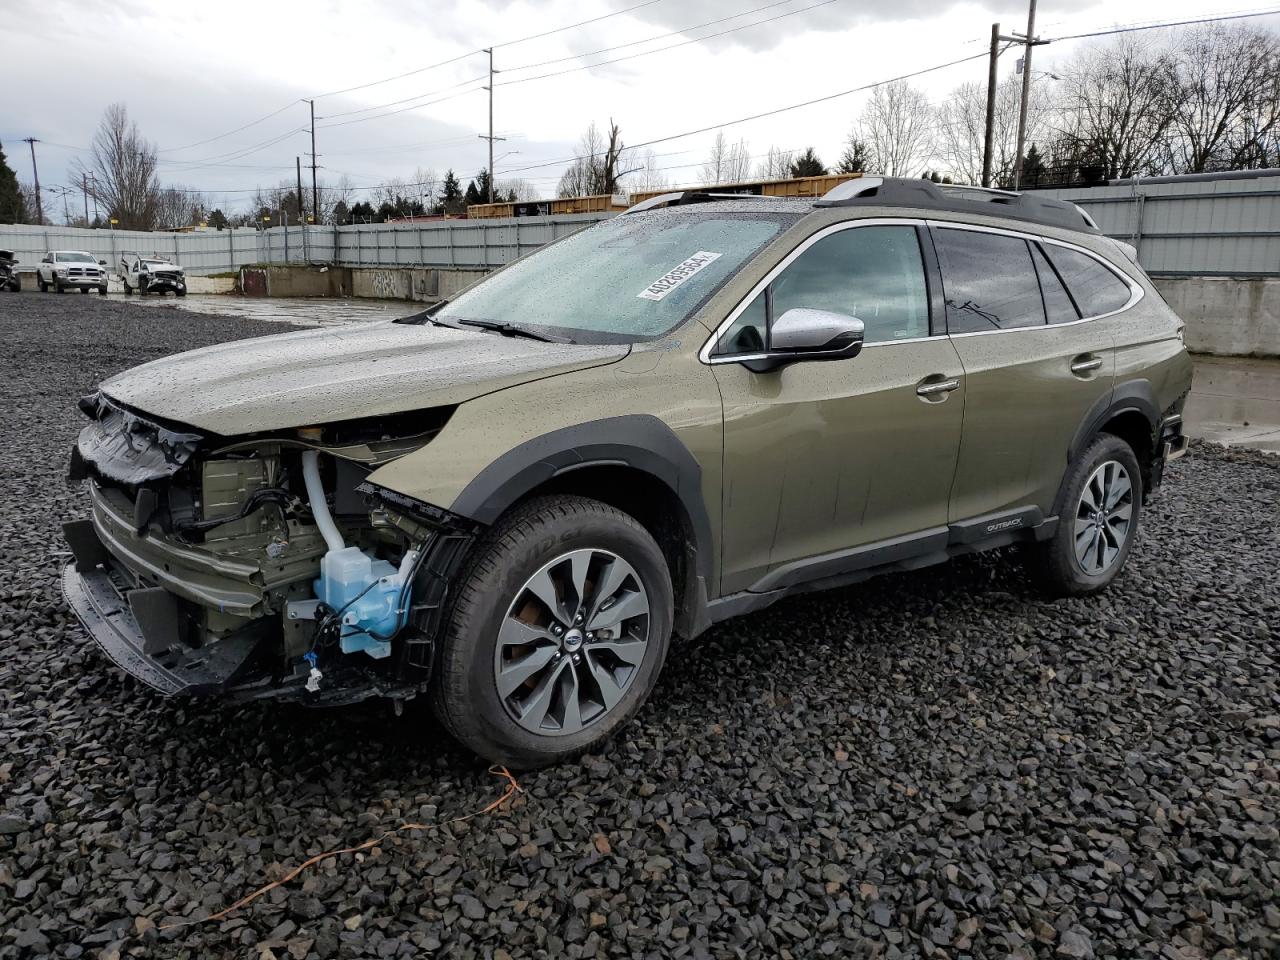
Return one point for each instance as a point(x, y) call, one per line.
point(114, 624)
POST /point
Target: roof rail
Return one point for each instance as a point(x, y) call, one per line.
point(901, 192)
point(681, 197)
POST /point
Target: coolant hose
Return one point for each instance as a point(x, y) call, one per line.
point(319, 506)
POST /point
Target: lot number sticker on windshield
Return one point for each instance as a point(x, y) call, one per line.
point(673, 278)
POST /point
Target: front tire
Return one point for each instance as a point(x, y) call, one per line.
point(102, 290)
point(1097, 521)
point(557, 635)
point(41, 285)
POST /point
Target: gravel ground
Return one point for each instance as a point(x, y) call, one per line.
point(936, 764)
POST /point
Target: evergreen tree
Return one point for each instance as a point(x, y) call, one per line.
point(218, 220)
point(341, 213)
point(473, 195)
point(1034, 171)
point(451, 196)
point(854, 158)
point(363, 212)
point(12, 207)
point(808, 165)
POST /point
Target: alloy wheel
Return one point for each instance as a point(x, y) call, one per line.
point(572, 642)
point(1104, 518)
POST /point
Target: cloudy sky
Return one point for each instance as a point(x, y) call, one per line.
point(191, 74)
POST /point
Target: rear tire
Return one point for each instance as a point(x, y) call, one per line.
point(525, 685)
point(1097, 521)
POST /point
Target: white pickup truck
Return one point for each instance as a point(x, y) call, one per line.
point(151, 274)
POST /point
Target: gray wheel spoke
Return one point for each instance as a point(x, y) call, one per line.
point(516, 672)
point(1120, 514)
point(579, 564)
point(610, 692)
point(611, 578)
point(571, 695)
point(628, 605)
point(628, 651)
point(1088, 497)
point(542, 587)
point(1083, 526)
point(534, 710)
point(1085, 550)
point(1120, 486)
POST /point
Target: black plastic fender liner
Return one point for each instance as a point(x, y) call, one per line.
point(638, 441)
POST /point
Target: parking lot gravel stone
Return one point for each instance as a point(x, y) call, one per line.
point(936, 764)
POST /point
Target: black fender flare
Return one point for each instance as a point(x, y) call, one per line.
point(638, 441)
point(1129, 396)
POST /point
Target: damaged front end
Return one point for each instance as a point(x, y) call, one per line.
point(259, 567)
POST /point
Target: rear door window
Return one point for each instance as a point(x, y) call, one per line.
point(1057, 302)
point(989, 281)
point(1095, 288)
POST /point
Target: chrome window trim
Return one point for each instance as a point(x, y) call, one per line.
point(705, 353)
point(1136, 293)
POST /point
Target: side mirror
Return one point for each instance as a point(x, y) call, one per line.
point(102, 263)
point(805, 334)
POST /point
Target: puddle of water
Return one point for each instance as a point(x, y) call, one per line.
point(308, 311)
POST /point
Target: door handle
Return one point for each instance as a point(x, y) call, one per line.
point(1086, 363)
point(936, 387)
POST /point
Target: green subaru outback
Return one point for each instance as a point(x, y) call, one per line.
point(512, 501)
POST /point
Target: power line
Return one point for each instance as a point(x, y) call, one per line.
point(571, 26)
point(684, 43)
point(660, 36)
point(396, 103)
point(251, 123)
point(1160, 26)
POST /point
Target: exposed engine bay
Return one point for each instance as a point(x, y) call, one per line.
point(266, 566)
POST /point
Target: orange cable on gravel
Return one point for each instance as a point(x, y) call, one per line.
point(513, 787)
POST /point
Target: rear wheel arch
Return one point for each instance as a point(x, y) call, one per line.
point(1129, 412)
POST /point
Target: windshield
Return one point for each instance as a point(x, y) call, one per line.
point(631, 278)
point(75, 258)
point(156, 263)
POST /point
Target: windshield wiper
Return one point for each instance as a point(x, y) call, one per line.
point(514, 330)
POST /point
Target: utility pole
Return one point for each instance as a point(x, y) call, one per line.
point(32, 141)
point(988, 140)
point(300, 214)
point(491, 138)
point(1029, 41)
point(84, 186)
point(315, 193)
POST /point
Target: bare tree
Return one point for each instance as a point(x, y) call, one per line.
point(1119, 103)
point(727, 162)
point(776, 164)
point(1228, 98)
point(122, 165)
point(897, 127)
point(646, 174)
point(713, 169)
point(515, 187)
point(737, 163)
point(178, 207)
point(596, 168)
point(961, 126)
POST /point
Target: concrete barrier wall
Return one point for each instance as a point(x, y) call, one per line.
point(1227, 317)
